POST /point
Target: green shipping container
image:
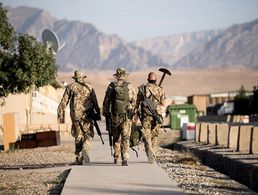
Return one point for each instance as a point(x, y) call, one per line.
point(181, 113)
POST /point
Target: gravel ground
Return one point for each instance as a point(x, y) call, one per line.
point(35, 171)
point(44, 170)
point(40, 157)
point(32, 181)
point(195, 178)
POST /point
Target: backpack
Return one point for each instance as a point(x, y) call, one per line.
point(121, 99)
point(135, 137)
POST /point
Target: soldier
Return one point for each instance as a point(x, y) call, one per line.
point(82, 100)
point(150, 127)
point(118, 104)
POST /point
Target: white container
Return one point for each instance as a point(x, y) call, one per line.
point(188, 131)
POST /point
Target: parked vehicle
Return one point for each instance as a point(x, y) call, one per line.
point(226, 108)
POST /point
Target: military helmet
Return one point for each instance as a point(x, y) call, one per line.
point(78, 74)
point(120, 72)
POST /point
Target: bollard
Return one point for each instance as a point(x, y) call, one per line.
point(245, 139)
point(204, 133)
point(255, 141)
point(197, 132)
point(222, 134)
point(233, 137)
point(212, 134)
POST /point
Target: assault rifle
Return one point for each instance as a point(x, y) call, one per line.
point(147, 104)
point(92, 116)
point(110, 135)
point(98, 130)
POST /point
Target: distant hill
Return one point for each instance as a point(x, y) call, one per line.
point(236, 47)
point(86, 47)
point(172, 48)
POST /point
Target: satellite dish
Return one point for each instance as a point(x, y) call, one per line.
point(51, 40)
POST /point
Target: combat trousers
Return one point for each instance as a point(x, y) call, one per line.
point(150, 133)
point(82, 131)
point(121, 139)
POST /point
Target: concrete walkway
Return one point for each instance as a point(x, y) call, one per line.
point(101, 176)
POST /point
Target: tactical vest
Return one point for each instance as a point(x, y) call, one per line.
point(121, 99)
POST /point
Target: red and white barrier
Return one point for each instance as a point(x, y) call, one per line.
point(188, 131)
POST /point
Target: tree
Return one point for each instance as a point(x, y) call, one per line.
point(241, 102)
point(7, 32)
point(25, 64)
point(254, 100)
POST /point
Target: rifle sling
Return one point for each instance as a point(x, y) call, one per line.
point(151, 93)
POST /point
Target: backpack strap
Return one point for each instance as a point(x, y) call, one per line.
point(113, 85)
point(151, 93)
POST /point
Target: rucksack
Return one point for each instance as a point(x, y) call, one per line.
point(121, 99)
point(135, 138)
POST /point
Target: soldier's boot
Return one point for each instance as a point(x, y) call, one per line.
point(124, 163)
point(86, 158)
point(151, 157)
point(115, 161)
point(78, 160)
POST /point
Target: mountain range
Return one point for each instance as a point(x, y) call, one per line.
point(88, 48)
point(172, 48)
point(236, 47)
point(85, 46)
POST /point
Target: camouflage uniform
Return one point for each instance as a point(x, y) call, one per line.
point(150, 127)
point(82, 97)
point(121, 124)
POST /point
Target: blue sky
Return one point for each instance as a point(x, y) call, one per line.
point(139, 19)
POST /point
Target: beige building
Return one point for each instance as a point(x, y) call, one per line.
point(200, 101)
point(176, 100)
point(37, 108)
point(220, 98)
point(203, 101)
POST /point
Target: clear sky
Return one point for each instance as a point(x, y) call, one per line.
point(138, 19)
